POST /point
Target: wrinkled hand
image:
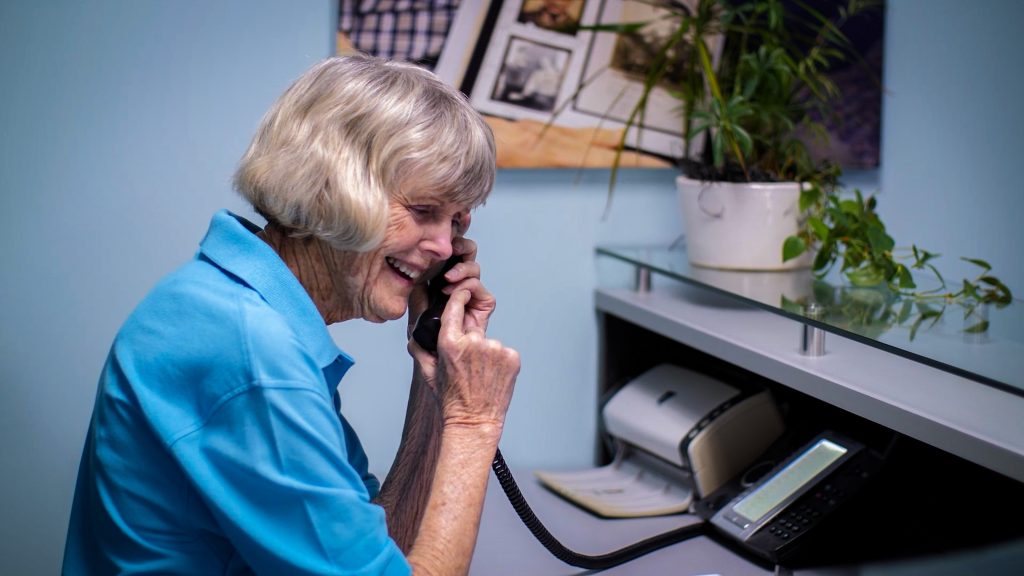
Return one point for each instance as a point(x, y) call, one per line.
point(475, 375)
point(472, 375)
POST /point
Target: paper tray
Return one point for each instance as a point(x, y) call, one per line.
point(629, 487)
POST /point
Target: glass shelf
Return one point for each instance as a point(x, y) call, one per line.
point(928, 331)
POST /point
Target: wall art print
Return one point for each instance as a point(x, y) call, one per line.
point(556, 94)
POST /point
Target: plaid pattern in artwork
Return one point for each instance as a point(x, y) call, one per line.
point(409, 30)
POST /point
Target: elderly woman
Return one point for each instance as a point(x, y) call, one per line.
point(216, 445)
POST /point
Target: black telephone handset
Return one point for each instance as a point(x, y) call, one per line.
point(428, 327)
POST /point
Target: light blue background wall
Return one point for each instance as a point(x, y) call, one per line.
point(120, 125)
point(952, 125)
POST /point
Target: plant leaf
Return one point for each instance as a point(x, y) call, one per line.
point(809, 196)
point(906, 280)
point(1000, 293)
point(851, 207)
point(978, 328)
point(905, 310)
point(879, 240)
point(970, 290)
point(718, 148)
point(743, 138)
point(823, 261)
point(915, 326)
point(793, 247)
point(865, 276)
point(938, 275)
point(978, 262)
point(819, 227)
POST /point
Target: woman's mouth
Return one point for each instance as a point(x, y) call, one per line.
point(403, 270)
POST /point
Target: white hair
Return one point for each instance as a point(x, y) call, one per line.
point(351, 133)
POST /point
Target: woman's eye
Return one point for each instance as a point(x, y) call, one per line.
point(421, 210)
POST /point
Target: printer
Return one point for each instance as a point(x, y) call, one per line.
point(679, 435)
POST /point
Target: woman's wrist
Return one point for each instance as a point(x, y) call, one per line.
point(484, 434)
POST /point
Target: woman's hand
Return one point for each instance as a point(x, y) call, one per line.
point(466, 275)
point(475, 375)
point(472, 375)
point(477, 312)
point(474, 378)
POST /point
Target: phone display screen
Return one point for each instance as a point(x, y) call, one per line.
point(799, 472)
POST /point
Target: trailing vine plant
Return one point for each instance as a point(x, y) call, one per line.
point(848, 232)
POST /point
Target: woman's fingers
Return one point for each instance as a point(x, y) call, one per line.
point(460, 272)
point(480, 306)
point(464, 247)
point(478, 374)
point(453, 316)
point(466, 276)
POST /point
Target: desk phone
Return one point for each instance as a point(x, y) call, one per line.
point(774, 514)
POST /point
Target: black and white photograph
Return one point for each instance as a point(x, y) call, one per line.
point(531, 75)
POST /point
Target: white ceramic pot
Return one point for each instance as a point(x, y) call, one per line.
point(762, 286)
point(740, 226)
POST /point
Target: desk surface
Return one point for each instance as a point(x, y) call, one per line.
point(505, 545)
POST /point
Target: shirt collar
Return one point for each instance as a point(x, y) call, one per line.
point(231, 243)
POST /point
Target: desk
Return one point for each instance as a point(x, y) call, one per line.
point(506, 547)
point(941, 387)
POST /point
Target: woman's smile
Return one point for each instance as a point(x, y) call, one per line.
point(405, 270)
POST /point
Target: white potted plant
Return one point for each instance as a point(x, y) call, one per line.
point(752, 105)
point(754, 198)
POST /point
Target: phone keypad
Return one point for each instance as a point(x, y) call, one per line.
point(779, 534)
point(793, 522)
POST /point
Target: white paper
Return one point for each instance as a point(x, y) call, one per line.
point(626, 488)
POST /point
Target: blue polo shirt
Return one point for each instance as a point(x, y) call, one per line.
point(216, 446)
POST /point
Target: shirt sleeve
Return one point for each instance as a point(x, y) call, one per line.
point(271, 465)
point(357, 458)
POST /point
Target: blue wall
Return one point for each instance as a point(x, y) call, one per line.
point(952, 125)
point(120, 127)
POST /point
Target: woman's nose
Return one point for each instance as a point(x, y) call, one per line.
point(438, 240)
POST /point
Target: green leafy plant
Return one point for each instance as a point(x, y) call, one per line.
point(848, 232)
point(754, 103)
point(874, 310)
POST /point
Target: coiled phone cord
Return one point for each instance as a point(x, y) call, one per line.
point(599, 562)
